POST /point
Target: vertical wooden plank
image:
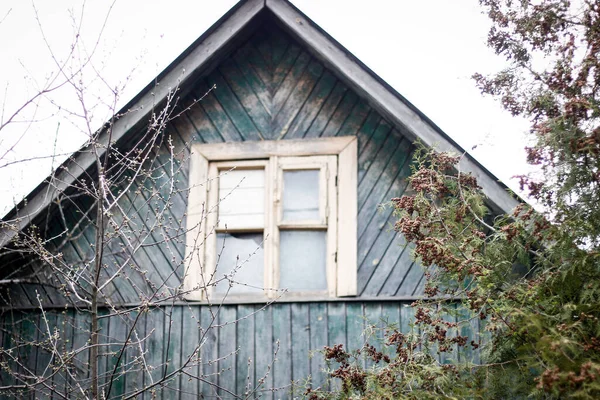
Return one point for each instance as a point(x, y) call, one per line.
point(318, 340)
point(467, 327)
point(64, 344)
point(44, 358)
point(115, 372)
point(227, 350)
point(26, 328)
point(189, 342)
point(153, 347)
point(407, 318)
point(103, 349)
point(172, 345)
point(81, 336)
point(132, 362)
point(208, 351)
point(336, 319)
point(263, 338)
point(4, 344)
point(282, 373)
point(355, 321)
point(245, 372)
point(300, 347)
point(390, 313)
point(374, 323)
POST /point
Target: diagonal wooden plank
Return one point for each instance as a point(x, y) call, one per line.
point(341, 113)
point(217, 115)
point(233, 108)
point(286, 63)
point(280, 43)
point(290, 82)
point(296, 99)
point(355, 119)
point(195, 120)
point(326, 112)
point(262, 42)
point(375, 168)
point(258, 63)
point(253, 106)
point(367, 129)
point(260, 89)
point(311, 107)
point(372, 148)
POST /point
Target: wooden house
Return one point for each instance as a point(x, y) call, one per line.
point(278, 171)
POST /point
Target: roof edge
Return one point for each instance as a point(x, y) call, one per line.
point(180, 71)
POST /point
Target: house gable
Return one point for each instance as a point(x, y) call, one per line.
point(217, 42)
point(262, 74)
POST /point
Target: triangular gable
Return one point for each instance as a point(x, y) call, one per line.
point(205, 51)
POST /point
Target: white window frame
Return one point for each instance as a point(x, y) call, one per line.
point(206, 159)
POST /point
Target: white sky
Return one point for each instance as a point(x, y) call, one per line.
point(426, 49)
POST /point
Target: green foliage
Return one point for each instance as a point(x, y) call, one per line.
point(532, 279)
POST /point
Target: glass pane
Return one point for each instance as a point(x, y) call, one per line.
point(241, 256)
point(301, 195)
point(302, 260)
point(242, 198)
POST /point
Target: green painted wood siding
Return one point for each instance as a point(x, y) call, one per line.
point(237, 350)
point(269, 88)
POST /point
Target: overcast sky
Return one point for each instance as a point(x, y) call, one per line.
point(426, 49)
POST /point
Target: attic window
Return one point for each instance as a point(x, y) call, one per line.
point(271, 217)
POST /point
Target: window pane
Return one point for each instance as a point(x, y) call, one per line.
point(241, 255)
point(301, 195)
point(302, 260)
point(242, 198)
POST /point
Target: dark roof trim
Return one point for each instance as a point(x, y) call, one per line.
point(136, 111)
point(364, 81)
